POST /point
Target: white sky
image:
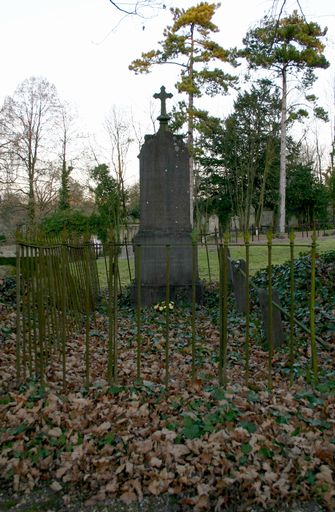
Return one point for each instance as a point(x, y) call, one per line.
point(80, 46)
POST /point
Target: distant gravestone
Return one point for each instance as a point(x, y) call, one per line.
point(238, 270)
point(165, 216)
point(277, 326)
point(230, 269)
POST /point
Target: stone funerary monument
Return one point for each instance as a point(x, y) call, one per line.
point(165, 215)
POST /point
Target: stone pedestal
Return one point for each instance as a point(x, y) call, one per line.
point(154, 251)
point(165, 218)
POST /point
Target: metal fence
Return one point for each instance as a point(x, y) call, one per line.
point(57, 288)
point(57, 295)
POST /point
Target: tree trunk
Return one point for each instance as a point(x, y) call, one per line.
point(31, 177)
point(282, 179)
point(31, 204)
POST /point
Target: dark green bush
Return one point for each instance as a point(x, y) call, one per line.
point(324, 289)
point(7, 290)
point(71, 221)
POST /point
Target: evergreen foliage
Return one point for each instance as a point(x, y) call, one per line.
point(64, 192)
point(289, 47)
point(307, 198)
point(73, 222)
point(241, 156)
point(108, 200)
point(187, 44)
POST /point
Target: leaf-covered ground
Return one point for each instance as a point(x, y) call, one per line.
point(243, 448)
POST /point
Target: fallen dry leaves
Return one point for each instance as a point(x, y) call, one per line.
point(207, 446)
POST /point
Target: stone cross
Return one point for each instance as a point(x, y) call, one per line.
point(163, 95)
point(165, 225)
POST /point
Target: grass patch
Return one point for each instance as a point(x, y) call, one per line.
point(258, 259)
point(8, 504)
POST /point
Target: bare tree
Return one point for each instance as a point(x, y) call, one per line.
point(69, 153)
point(118, 130)
point(46, 190)
point(29, 118)
point(8, 169)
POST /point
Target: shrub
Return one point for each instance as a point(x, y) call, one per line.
point(71, 221)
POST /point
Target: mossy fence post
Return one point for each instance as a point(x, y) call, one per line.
point(111, 314)
point(167, 315)
point(223, 307)
point(207, 259)
point(270, 309)
point(63, 310)
point(194, 259)
point(88, 298)
point(18, 313)
point(314, 356)
point(292, 306)
point(116, 279)
point(247, 312)
point(138, 313)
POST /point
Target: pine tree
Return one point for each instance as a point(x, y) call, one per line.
point(290, 47)
point(187, 44)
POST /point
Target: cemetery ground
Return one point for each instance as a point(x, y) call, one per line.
point(190, 445)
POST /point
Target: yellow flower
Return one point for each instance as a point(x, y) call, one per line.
point(162, 306)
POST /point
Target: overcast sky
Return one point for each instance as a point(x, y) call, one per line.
point(84, 47)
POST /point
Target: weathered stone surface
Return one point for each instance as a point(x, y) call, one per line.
point(154, 248)
point(238, 270)
point(165, 215)
point(165, 184)
point(277, 326)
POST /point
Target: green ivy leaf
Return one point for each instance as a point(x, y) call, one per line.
point(246, 448)
point(250, 427)
point(191, 429)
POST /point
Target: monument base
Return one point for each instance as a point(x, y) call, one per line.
point(151, 295)
point(164, 259)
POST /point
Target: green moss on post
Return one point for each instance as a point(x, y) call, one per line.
point(63, 312)
point(110, 315)
point(116, 277)
point(312, 312)
point(270, 309)
point(138, 313)
point(167, 317)
point(292, 306)
point(18, 313)
point(247, 312)
point(207, 259)
point(225, 307)
point(221, 292)
point(87, 319)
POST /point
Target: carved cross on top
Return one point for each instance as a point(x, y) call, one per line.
point(163, 95)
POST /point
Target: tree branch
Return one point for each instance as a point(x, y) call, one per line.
point(121, 9)
point(138, 4)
